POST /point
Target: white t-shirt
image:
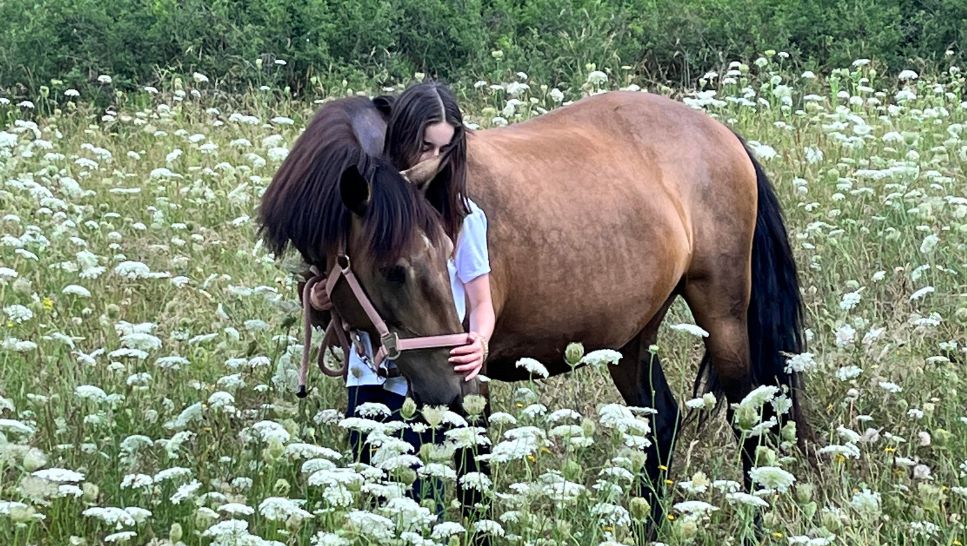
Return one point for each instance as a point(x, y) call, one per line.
point(470, 260)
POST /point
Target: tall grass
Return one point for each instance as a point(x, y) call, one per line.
point(150, 344)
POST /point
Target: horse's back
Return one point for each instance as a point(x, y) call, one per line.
point(631, 128)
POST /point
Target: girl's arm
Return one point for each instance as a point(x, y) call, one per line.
point(470, 358)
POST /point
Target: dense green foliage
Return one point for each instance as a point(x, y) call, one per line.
point(374, 42)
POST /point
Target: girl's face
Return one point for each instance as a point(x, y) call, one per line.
point(436, 137)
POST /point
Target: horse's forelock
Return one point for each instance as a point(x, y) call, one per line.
point(397, 211)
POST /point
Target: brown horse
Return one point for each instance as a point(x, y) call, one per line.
point(600, 214)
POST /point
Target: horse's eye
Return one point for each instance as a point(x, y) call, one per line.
point(395, 274)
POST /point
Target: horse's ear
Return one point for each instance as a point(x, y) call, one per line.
point(384, 103)
point(422, 173)
point(354, 190)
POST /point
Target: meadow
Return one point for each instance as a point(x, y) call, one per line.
point(150, 344)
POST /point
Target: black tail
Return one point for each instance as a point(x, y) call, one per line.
point(775, 317)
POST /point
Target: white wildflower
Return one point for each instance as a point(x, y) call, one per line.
point(759, 396)
point(281, 509)
point(232, 531)
point(325, 538)
point(14, 426)
point(141, 341)
point(850, 300)
point(601, 358)
point(59, 475)
point(726, 486)
point(533, 367)
point(922, 472)
point(172, 474)
point(890, 387)
point(845, 335)
point(562, 414)
point(924, 528)
point(597, 77)
point(447, 529)
point(122, 536)
point(173, 362)
point(132, 270)
point(266, 431)
point(477, 481)
point(236, 509)
point(694, 507)
point(185, 492)
point(90, 392)
point(805, 540)
point(919, 294)
point(772, 477)
point(488, 526)
point(848, 450)
point(848, 372)
point(111, 515)
point(18, 313)
point(691, 329)
point(762, 151)
point(76, 290)
point(162, 172)
point(136, 481)
point(866, 503)
point(371, 410)
point(802, 362)
point(371, 525)
point(747, 499)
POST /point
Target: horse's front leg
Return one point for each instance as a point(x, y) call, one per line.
point(641, 381)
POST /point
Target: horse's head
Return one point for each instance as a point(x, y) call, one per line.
point(332, 194)
point(397, 248)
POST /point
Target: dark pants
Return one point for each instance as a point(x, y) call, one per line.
point(423, 488)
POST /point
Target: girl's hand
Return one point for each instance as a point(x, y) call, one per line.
point(318, 297)
point(469, 358)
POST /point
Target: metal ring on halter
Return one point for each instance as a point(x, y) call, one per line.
point(344, 263)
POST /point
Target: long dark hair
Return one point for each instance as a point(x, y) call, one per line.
point(417, 107)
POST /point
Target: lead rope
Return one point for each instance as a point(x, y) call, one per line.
point(335, 327)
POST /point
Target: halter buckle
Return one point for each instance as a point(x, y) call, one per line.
point(390, 342)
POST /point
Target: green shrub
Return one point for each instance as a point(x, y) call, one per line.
point(375, 42)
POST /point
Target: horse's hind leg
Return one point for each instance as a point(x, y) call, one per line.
point(641, 381)
point(719, 303)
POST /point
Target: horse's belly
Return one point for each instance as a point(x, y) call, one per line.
point(603, 311)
